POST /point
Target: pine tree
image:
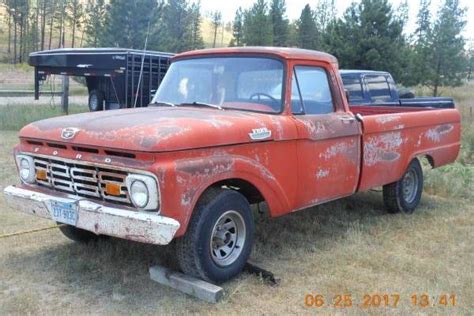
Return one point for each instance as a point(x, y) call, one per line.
point(257, 28)
point(127, 23)
point(447, 58)
point(216, 19)
point(237, 28)
point(307, 29)
point(76, 12)
point(61, 15)
point(324, 14)
point(280, 23)
point(197, 41)
point(174, 33)
point(370, 36)
point(94, 26)
point(421, 69)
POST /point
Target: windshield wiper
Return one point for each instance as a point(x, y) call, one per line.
point(215, 106)
point(163, 103)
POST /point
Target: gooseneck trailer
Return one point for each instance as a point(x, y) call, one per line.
point(115, 77)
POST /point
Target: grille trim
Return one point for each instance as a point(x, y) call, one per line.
point(81, 178)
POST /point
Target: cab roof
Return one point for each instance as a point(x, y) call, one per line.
point(281, 52)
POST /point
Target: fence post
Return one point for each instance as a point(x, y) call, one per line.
point(65, 95)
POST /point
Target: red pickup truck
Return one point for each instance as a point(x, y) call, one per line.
point(226, 129)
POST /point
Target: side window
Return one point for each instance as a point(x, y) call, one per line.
point(314, 90)
point(354, 87)
point(378, 88)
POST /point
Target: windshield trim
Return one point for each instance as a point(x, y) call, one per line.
point(249, 55)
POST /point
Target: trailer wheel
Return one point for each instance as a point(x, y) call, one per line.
point(96, 101)
point(77, 234)
point(219, 237)
point(405, 194)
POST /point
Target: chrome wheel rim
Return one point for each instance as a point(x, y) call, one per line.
point(227, 238)
point(410, 185)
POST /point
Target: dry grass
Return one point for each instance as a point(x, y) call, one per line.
point(15, 116)
point(351, 246)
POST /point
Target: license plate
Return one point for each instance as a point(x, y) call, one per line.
point(64, 212)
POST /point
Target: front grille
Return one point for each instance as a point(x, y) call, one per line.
point(81, 179)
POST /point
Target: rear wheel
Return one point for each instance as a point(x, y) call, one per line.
point(219, 238)
point(77, 234)
point(405, 194)
point(96, 101)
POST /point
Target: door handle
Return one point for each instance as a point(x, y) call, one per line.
point(347, 119)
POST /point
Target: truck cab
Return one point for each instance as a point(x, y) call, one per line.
point(377, 88)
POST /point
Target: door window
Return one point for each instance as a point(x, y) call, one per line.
point(314, 91)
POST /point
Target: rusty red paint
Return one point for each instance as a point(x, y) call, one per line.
point(307, 160)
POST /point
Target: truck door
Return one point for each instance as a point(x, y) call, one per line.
point(328, 137)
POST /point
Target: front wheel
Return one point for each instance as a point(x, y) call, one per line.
point(405, 194)
point(219, 237)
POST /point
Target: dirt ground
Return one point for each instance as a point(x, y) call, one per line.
point(348, 247)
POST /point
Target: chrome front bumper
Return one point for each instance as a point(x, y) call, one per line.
point(99, 219)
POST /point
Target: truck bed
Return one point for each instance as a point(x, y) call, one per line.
point(393, 136)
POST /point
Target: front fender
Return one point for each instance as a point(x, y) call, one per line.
point(182, 182)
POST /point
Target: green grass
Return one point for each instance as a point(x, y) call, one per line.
point(14, 117)
point(457, 179)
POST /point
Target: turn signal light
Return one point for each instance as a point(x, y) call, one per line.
point(41, 175)
point(112, 189)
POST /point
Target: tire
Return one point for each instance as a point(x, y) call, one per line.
point(219, 237)
point(77, 234)
point(96, 101)
point(405, 194)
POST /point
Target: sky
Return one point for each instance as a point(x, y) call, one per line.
point(294, 7)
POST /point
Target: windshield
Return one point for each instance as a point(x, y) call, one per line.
point(245, 83)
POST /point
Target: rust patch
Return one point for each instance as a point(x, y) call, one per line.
point(192, 174)
point(322, 173)
point(347, 148)
point(435, 134)
point(380, 148)
point(384, 119)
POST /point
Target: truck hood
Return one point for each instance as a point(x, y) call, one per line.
point(156, 129)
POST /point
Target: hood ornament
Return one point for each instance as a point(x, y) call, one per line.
point(69, 132)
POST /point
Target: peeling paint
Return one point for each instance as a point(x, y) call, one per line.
point(322, 173)
point(435, 134)
point(384, 147)
point(348, 148)
point(384, 119)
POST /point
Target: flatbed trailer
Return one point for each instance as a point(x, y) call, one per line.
point(115, 77)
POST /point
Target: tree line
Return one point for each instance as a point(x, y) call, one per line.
point(370, 34)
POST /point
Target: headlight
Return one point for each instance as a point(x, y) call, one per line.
point(139, 193)
point(26, 168)
point(143, 191)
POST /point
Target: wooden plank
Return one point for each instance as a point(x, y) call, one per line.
point(187, 284)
